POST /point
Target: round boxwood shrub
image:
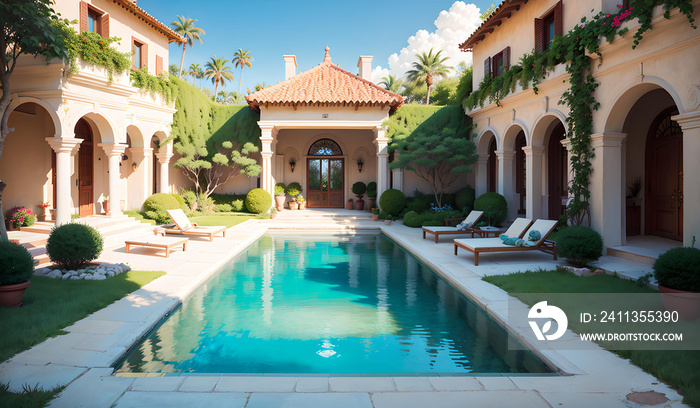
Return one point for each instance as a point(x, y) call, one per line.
point(179, 199)
point(678, 268)
point(464, 199)
point(74, 245)
point(413, 220)
point(392, 202)
point(579, 245)
point(359, 188)
point(494, 206)
point(258, 201)
point(372, 189)
point(279, 189)
point(16, 263)
point(293, 189)
point(156, 207)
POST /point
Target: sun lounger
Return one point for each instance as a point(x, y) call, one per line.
point(473, 217)
point(158, 242)
point(477, 246)
point(185, 227)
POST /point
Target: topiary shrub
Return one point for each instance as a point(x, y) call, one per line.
point(464, 199)
point(74, 245)
point(372, 189)
point(494, 206)
point(16, 263)
point(392, 202)
point(418, 204)
point(190, 198)
point(678, 268)
point(413, 220)
point(279, 189)
point(258, 201)
point(579, 245)
point(359, 188)
point(156, 206)
point(294, 189)
point(236, 201)
point(179, 199)
point(222, 208)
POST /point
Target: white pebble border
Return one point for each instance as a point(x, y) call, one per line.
point(99, 272)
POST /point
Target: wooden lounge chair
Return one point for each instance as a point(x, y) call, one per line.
point(158, 242)
point(473, 217)
point(185, 227)
point(477, 246)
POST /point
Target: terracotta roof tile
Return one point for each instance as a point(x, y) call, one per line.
point(501, 13)
point(131, 6)
point(325, 85)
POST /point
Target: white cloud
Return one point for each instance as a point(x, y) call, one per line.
point(452, 28)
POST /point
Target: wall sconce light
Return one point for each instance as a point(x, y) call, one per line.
point(360, 164)
point(292, 163)
point(125, 157)
point(134, 165)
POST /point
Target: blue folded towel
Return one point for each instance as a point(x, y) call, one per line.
point(534, 236)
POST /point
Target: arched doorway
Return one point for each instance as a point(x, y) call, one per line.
point(155, 144)
point(520, 171)
point(85, 168)
point(491, 167)
point(557, 169)
point(664, 177)
point(325, 175)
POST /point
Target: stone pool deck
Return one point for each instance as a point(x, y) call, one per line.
point(82, 358)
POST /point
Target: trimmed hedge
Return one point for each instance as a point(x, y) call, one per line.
point(236, 201)
point(678, 268)
point(258, 201)
point(392, 202)
point(414, 220)
point(294, 189)
point(74, 245)
point(156, 206)
point(16, 263)
point(579, 245)
point(179, 199)
point(494, 206)
point(464, 199)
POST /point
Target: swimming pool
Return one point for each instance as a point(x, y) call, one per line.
point(324, 304)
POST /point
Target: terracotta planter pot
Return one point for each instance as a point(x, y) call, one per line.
point(293, 205)
point(273, 216)
point(302, 206)
point(279, 202)
point(122, 205)
point(387, 222)
point(350, 205)
point(375, 217)
point(105, 206)
point(359, 203)
point(687, 304)
point(11, 295)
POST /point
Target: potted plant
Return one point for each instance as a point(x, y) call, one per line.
point(388, 220)
point(19, 217)
point(16, 267)
point(633, 190)
point(273, 212)
point(351, 205)
point(280, 196)
point(45, 212)
point(294, 189)
point(372, 195)
point(359, 189)
point(105, 203)
point(302, 202)
point(375, 214)
point(677, 272)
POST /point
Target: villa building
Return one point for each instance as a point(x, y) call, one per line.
point(80, 138)
point(647, 126)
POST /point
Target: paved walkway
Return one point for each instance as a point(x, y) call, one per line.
point(82, 358)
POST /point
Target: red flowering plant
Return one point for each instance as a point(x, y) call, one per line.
point(20, 217)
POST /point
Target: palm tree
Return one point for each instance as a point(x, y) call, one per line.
point(390, 83)
point(218, 72)
point(241, 59)
point(194, 71)
point(185, 27)
point(428, 67)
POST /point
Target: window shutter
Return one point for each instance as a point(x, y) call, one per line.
point(558, 19)
point(487, 67)
point(539, 35)
point(104, 22)
point(159, 64)
point(83, 16)
point(506, 58)
point(144, 56)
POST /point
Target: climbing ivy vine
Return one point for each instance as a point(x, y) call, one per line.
point(574, 48)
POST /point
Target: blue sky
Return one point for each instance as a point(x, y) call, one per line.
point(270, 29)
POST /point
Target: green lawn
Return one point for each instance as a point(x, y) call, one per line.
point(226, 219)
point(680, 369)
point(139, 216)
point(28, 398)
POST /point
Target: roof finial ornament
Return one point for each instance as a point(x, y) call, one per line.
point(327, 58)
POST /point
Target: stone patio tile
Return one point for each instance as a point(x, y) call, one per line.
point(449, 399)
point(46, 376)
point(255, 384)
point(90, 325)
point(156, 383)
point(97, 388)
point(307, 400)
point(137, 399)
point(367, 384)
point(312, 384)
point(199, 383)
point(585, 399)
point(95, 342)
point(497, 383)
point(455, 383)
point(413, 384)
point(60, 353)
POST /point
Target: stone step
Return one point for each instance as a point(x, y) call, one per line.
point(630, 255)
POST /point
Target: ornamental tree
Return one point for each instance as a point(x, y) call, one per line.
point(29, 27)
point(434, 143)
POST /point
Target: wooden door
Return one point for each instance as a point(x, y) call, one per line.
point(85, 169)
point(557, 157)
point(325, 182)
point(664, 178)
point(491, 164)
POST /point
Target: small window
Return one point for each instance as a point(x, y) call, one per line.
point(549, 31)
point(501, 62)
point(138, 50)
point(93, 22)
point(548, 27)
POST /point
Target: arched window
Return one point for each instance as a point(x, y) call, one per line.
point(325, 147)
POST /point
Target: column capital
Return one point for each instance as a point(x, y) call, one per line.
point(164, 157)
point(113, 149)
point(64, 145)
point(533, 150)
point(383, 155)
point(607, 139)
point(266, 155)
point(482, 159)
point(566, 143)
point(505, 154)
point(689, 120)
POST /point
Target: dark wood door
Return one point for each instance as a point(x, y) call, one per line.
point(325, 182)
point(664, 174)
point(491, 164)
point(85, 168)
point(557, 157)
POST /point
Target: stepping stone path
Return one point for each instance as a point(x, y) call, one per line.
point(99, 272)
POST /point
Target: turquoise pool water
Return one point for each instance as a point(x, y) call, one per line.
point(324, 305)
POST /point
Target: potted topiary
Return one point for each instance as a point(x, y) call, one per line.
point(302, 202)
point(388, 220)
point(280, 197)
point(351, 205)
point(392, 202)
point(677, 272)
point(375, 214)
point(372, 195)
point(294, 189)
point(359, 189)
point(273, 213)
point(16, 267)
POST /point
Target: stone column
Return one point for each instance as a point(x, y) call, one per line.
point(141, 156)
point(506, 185)
point(690, 123)
point(269, 133)
point(533, 164)
point(114, 153)
point(397, 181)
point(164, 162)
point(607, 188)
point(65, 148)
point(481, 176)
point(382, 143)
